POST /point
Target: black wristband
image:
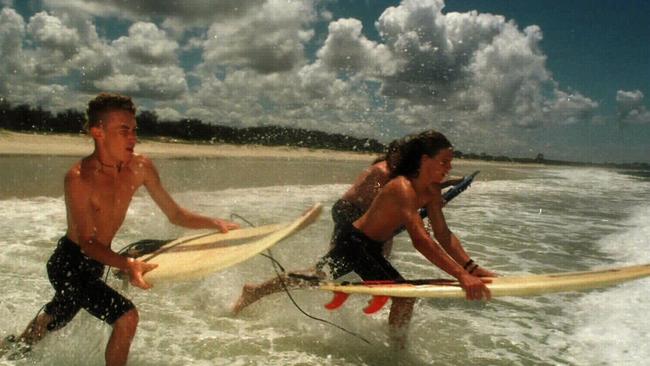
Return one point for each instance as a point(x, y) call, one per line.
point(468, 263)
point(473, 269)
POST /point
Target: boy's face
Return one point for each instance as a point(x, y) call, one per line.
point(119, 134)
point(439, 166)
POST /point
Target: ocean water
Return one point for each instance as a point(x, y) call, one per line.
point(515, 219)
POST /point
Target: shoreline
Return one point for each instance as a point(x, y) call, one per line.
point(18, 143)
point(79, 145)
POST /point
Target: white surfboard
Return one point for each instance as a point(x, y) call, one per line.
point(500, 286)
point(196, 256)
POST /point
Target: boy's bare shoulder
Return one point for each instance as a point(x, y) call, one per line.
point(379, 168)
point(377, 173)
point(145, 164)
point(143, 167)
point(400, 187)
point(75, 172)
point(141, 161)
point(78, 177)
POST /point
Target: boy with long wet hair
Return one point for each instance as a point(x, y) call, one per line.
point(418, 166)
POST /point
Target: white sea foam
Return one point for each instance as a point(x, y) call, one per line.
point(612, 326)
point(545, 220)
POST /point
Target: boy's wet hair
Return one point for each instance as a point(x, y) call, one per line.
point(406, 159)
point(106, 102)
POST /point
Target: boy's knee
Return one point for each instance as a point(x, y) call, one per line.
point(53, 322)
point(45, 321)
point(128, 321)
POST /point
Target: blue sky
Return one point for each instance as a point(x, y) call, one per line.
point(567, 79)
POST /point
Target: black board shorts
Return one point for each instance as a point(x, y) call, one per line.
point(343, 213)
point(353, 251)
point(76, 278)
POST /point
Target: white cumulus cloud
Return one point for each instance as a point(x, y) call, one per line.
point(346, 49)
point(260, 62)
point(268, 39)
point(631, 109)
point(52, 35)
point(147, 44)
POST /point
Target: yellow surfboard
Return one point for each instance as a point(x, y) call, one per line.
point(527, 285)
point(196, 256)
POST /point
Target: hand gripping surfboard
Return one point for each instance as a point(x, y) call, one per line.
point(196, 256)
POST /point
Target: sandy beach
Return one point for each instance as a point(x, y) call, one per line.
point(14, 143)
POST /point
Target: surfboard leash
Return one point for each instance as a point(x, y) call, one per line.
point(286, 290)
point(278, 269)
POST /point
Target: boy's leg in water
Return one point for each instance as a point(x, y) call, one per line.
point(252, 293)
point(119, 344)
point(401, 312)
point(18, 347)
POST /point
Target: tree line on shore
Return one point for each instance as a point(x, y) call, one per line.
point(24, 118)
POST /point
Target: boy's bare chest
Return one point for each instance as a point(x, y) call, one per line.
point(111, 195)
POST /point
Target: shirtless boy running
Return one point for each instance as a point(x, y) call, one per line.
point(357, 199)
point(421, 166)
point(98, 191)
point(418, 171)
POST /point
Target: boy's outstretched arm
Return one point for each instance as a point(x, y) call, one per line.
point(176, 214)
point(474, 287)
point(450, 242)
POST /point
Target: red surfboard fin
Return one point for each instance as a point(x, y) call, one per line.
point(375, 304)
point(338, 300)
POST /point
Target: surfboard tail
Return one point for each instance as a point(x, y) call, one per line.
point(337, 301)
point(375, 304)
